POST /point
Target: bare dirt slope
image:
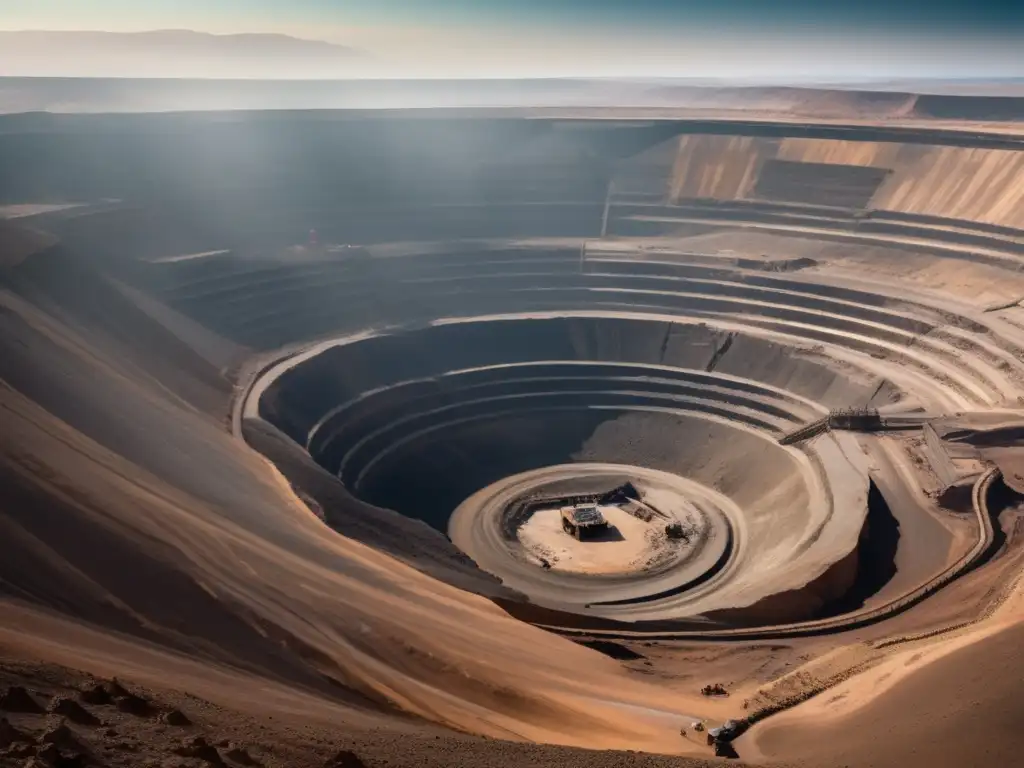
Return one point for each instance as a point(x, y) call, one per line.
point(161, 726)
point(961, 710)
point(177, 557)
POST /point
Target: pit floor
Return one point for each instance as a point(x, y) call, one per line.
point(630, 545)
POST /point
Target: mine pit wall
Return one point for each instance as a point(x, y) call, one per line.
point(126, 234)
point(418, 480)
point(404, 538)
point(385, 180)
point(310, 391)
point(301, 397)
point(278, 226)
point(430, 476)
point(803, 604)
point(829, 540)
point(358, 180)
point(853, 222)
point(513, 182)
point(284, 302)
point(887, 176)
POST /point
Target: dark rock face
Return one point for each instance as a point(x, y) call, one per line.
point(60, 736)
point(73, 711)
point(240, 755)
point(9, 735)
point(17, 699)
point(345, 759)
point(176, 718)
point(200, 748)
point(97, 695)
point(134, 705)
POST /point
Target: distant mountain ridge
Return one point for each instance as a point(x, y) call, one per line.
point(172, 53)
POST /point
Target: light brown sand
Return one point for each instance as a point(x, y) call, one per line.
point(630, 545)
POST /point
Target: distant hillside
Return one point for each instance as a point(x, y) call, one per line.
point(171, 53)
point(282, 88)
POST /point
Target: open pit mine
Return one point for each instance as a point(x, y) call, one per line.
point(492, 426)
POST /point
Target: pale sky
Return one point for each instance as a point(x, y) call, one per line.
point(800, 39)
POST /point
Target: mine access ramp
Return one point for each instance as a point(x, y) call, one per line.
point(854, 420)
